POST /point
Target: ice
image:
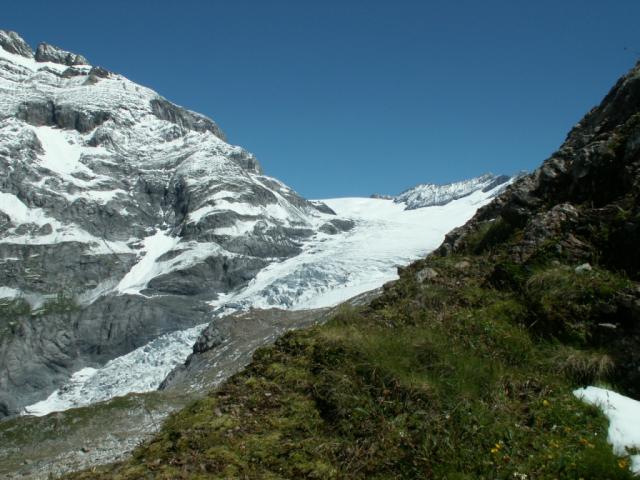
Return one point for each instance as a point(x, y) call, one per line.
point(147, 268)
point(141, 370)
point(624, 419)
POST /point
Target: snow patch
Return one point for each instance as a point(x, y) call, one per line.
point(8, 292)
point(61, 155)
point(624, 419)
point(147, 267)
point(19, 213)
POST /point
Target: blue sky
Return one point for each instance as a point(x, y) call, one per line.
point(345, 98)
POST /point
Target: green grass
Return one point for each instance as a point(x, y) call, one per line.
point(566, 304)
point(435, 380)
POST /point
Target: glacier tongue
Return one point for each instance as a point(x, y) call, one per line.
point(141, 370)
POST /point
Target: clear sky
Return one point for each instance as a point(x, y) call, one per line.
point(352, 97)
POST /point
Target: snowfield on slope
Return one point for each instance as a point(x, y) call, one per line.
point(329, 270)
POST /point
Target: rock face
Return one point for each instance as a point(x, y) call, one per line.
point(581, 206)
point(49, 53)
point(121, 216)
point(13, 43)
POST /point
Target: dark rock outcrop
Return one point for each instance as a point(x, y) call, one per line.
point(13, 43)
point(49, 53)
point(592, 180)
point(64, 116)
point(165, 110)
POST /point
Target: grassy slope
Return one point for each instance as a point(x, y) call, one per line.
point(458, 376)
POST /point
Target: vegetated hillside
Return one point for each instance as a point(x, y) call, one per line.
point(465, 366)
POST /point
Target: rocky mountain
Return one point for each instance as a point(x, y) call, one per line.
point(128, 223)
point(434, 195)
point(431, 194)
point(331, 268)
point(474, 363)
point(121, 216)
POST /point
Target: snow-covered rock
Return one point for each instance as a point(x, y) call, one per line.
point(431, 194)
point(117, 201)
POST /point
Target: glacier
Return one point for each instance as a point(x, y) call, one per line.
point(329, 270)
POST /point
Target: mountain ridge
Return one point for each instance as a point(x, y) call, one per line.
point(439, 194)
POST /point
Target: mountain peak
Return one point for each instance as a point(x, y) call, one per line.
point(431, 194)
point(14, 43)
point(50, 53)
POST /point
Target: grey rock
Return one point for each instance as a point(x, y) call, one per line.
point(208, 339)
point(99, 72)
point(584, 268)
point(13, 43)
point(337, 225)
point(49, 53)
point(165, 110)
point(47, 346)
point(426, 274)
